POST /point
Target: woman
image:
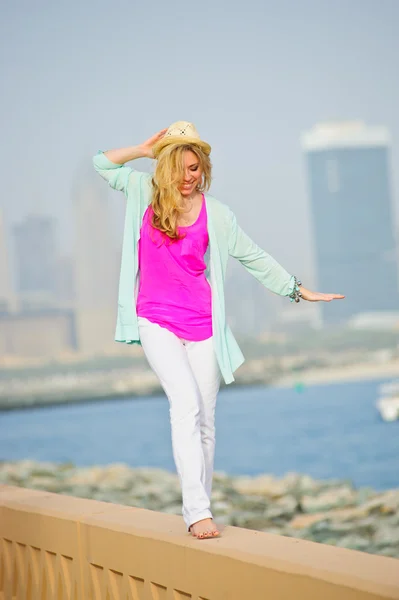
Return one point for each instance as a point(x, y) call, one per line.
point(176, 244)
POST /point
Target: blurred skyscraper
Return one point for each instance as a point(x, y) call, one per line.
point(33, 322)
point(36, 260)
point(96, 266)
point(65, 283)
point(352, 214)
point(249, 306)
point(7, 297)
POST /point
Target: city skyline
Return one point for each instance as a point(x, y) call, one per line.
point(266, 75)
point(77, 81)
point(85, 177)
point(86, 273)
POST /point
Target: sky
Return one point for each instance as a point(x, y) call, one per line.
point(85, 75)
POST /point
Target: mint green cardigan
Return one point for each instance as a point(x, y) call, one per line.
point(226, 239)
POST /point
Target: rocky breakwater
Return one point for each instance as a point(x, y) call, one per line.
point(330, 512)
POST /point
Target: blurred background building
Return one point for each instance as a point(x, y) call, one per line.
point(33, 320)
point(7, 296)
point(349, 182)
point(41, 333)
point(96, 265)
point(61, 303)
point(36, 255)
point(250, 309)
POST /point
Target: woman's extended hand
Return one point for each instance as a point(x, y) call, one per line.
point(148, 144)
point(318, 296)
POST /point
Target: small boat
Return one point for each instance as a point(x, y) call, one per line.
point(388, 401)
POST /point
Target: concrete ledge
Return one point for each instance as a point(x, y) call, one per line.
point(59, 547)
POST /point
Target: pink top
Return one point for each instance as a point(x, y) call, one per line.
point(173, 291)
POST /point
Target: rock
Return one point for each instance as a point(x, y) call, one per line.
point(117, 477)
point(68, 466)
point(333, 498)
point(364, 527)
point(354, 542)
point(249, 521)
point(223, 520)
point(364, 495)
point(25, 469)
point(49, 484)
point(249, 503)
point(306, 485)
point(220, 508)
point(81, 491)
point(271, 529)
point(149, 475)
point(88, 476)
point(278, 513)
point(292, 484)
point(323, 531)
point(386, 535)
point(221, 477)
point(218, 495)
point(264, 485)
point(389, 551)
point(289, 504)
point(303, 521)
point(383, 504)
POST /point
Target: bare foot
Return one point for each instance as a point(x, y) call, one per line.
point(204, 529)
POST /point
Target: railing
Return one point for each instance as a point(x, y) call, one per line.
point(56, 547)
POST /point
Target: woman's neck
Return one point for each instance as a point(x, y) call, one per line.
point(191, 199)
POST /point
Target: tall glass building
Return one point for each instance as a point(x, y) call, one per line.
point(36, 255)
point(352, 218)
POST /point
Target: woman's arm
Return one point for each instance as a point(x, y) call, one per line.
point(111, 164)
point(265, 268)
point(121, 156)
point(257, 262)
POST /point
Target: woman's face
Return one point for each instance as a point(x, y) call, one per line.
point(192, 173)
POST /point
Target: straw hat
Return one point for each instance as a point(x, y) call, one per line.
point(182, 132)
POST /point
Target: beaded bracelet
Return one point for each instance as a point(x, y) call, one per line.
point(296, 293)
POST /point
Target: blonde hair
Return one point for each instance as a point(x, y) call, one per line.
point(169, 173)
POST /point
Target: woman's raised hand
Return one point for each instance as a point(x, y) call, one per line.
point(318, 296)
point(148, 144)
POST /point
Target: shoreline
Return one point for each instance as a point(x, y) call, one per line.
point(310, 377)
point(330, 375)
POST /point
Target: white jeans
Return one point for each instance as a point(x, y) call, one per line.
point(190, 376)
